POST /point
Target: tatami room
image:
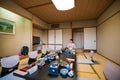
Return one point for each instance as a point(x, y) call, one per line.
point(46, 42)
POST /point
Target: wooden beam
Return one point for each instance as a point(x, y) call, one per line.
point(39, 5)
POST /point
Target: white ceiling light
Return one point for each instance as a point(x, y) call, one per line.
point(64, 4)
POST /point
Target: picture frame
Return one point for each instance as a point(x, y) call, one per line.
point(7, 26)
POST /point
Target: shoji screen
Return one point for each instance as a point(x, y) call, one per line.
point(58, 39)
point(55, 39)
point(90, 38)
point(51, 35)
point(51, 40)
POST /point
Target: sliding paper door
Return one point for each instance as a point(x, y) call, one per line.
point(51, 40)
point(58, 38)
point(55, 39)
point(90, 38)
point(51, 35)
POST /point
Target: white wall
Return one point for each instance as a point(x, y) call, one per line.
point(12, 44)
point(41, 33)
point(108, 33)
point(115, 7)
point(8, 4)
point(82, 24)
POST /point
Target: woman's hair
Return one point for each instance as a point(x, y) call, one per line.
point(71, 40)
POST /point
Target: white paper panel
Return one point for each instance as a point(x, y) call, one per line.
point(90, 38)
point(51, 47)
point(58, 47)
point(58, 37)
point(51, 36)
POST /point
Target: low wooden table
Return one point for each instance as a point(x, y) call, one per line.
point(42, 74)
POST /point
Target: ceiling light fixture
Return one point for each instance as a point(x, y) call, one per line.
point(64, 4)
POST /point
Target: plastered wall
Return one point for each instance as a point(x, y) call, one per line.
point(108, 33)
point(10, 44)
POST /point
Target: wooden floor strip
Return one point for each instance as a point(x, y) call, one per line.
point(95, 72)
point(84, 68)
point(87, 75)
point(87, 56)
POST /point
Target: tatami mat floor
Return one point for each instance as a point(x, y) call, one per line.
point(91, 71)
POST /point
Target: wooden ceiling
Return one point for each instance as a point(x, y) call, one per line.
point(83, 10)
